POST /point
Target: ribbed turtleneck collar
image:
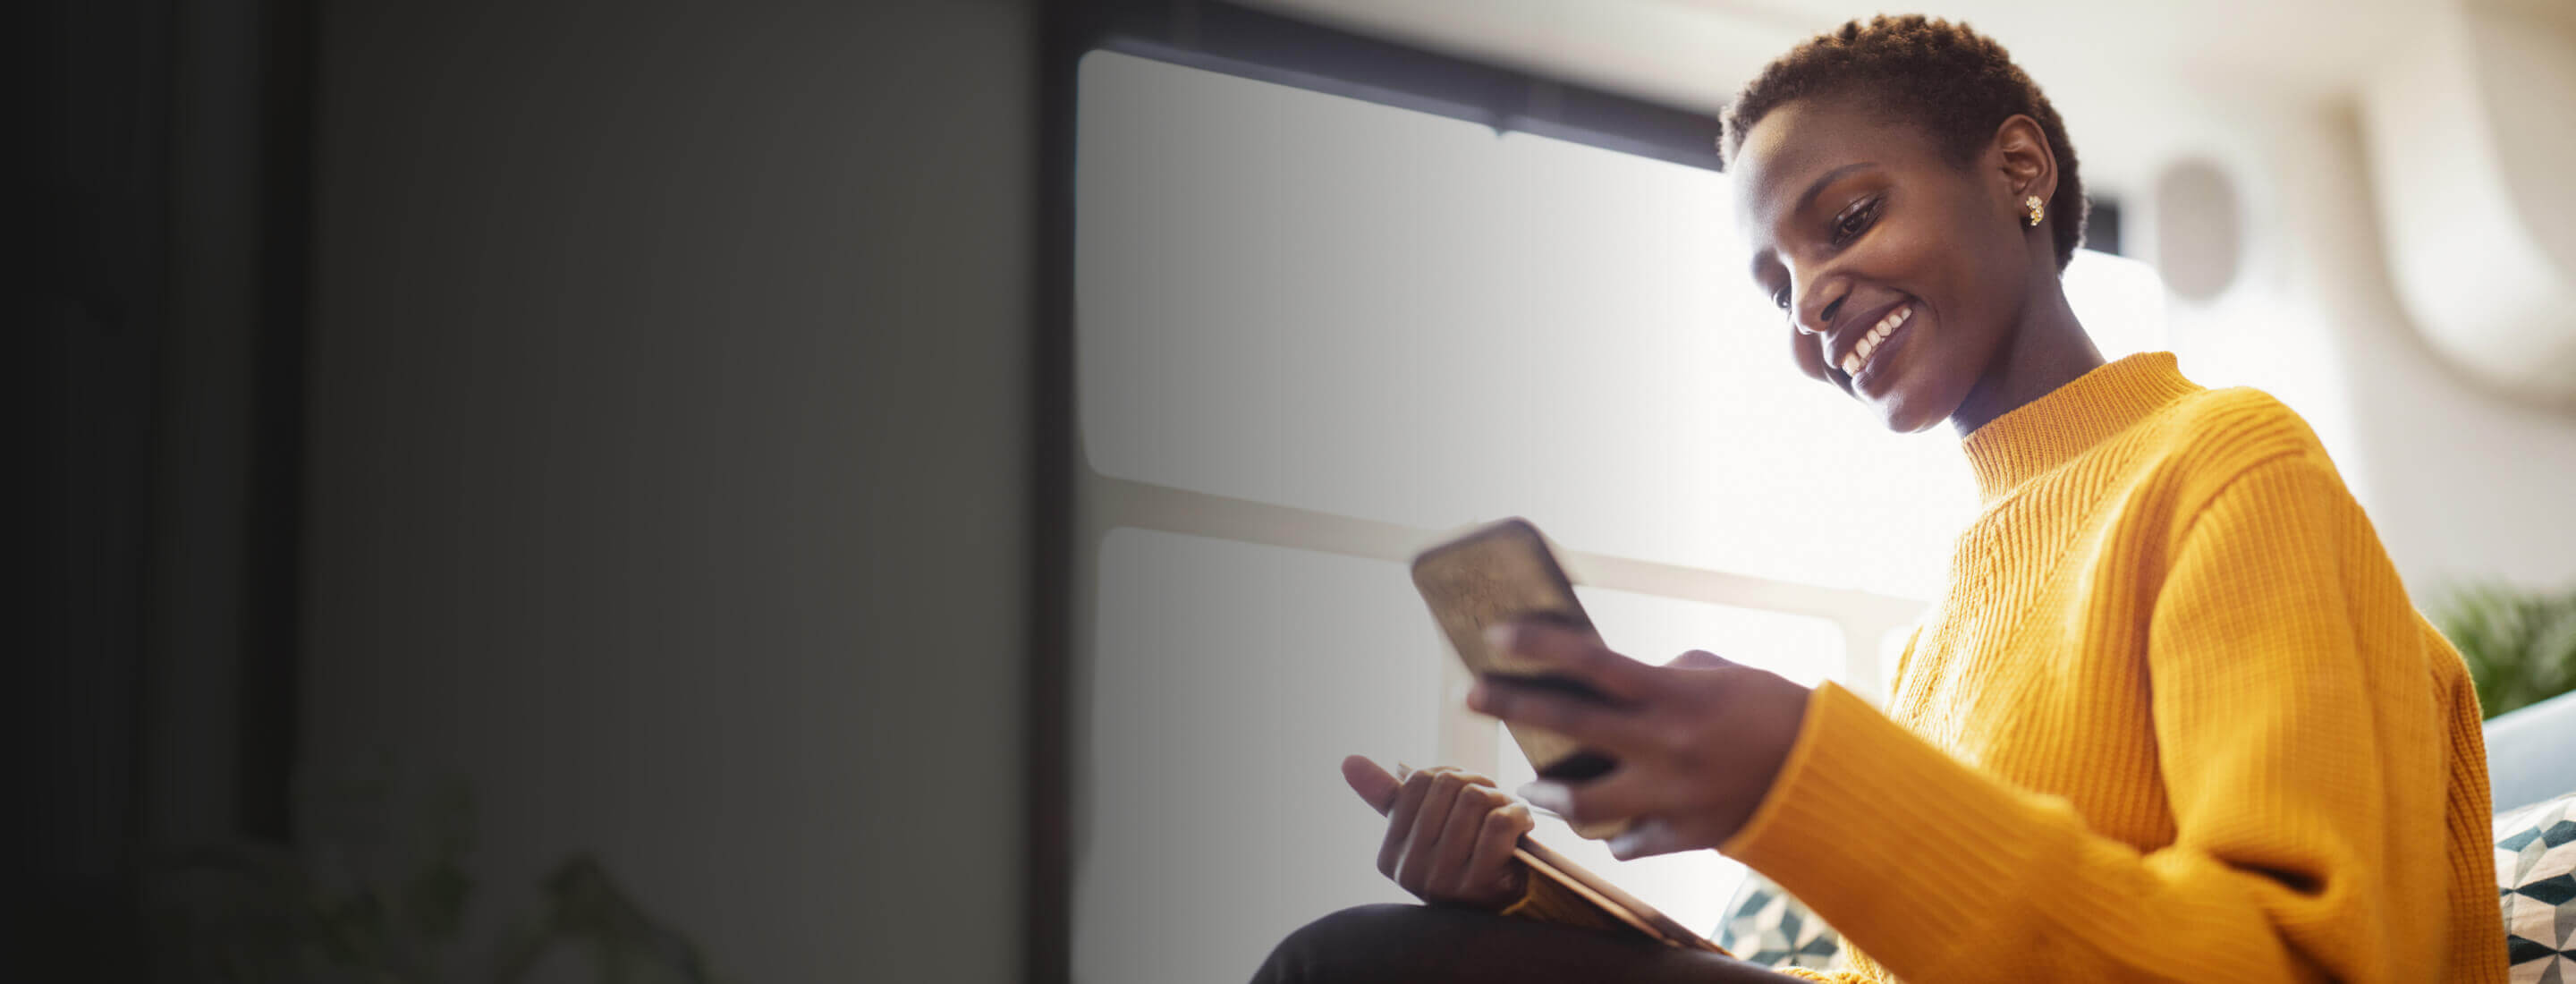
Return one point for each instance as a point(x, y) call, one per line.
point(2044, 433)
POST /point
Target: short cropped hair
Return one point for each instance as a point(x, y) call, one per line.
point(1956, 84)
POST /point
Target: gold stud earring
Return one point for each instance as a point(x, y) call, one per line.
point(2033, 202)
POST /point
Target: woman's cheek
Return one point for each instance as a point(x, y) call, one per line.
point(1809, 355)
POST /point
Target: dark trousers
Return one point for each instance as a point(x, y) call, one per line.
point(1428, 944)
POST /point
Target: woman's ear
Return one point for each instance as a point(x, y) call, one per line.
point(2024, 163)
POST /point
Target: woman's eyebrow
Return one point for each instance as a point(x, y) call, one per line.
point(1817, 186)
point(1814, 188)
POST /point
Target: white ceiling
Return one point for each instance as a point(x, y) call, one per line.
point(1696, 52)
point(2309, 46)
point(2137, 83)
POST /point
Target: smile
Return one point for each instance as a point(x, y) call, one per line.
point(1860, 359)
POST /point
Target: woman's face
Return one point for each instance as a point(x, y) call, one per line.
point(1856, 221)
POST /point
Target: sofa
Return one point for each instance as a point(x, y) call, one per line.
point(2531, 753)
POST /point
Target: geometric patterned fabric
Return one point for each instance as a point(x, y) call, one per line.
point(2535, 852)
point(1767, 926)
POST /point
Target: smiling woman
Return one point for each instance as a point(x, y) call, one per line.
point(2172, 716)
point(1868, 200)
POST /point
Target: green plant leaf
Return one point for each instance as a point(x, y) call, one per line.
point(2519, 646)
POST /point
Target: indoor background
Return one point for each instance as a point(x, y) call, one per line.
point(920, 490)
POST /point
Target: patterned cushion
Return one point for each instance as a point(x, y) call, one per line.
point(2535, 851)
point(1768, 926)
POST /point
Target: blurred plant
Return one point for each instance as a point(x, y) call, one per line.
point(2520, 645)
point(264, 914)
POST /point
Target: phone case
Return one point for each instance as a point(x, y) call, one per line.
point(1500, 572)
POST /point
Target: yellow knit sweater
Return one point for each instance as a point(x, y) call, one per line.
point(2174, 719)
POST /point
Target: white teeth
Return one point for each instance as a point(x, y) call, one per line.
point(1869, 343)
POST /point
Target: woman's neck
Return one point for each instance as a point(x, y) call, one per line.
point(2047, 350)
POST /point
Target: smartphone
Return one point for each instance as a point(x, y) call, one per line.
point(1502, 572)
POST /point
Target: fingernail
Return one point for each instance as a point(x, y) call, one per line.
point(1544, 795)
point(1498, 636)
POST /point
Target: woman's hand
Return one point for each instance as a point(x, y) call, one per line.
point(1697, 741)
point(1449, 834)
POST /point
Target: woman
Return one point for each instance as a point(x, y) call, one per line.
point(2174, 717)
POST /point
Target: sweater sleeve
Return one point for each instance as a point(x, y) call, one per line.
point(2298, 740)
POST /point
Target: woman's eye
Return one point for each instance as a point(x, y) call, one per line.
point(1854, 222)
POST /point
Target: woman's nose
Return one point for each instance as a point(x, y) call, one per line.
point(1823, 318)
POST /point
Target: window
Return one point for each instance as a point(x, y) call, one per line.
point(1313, 334)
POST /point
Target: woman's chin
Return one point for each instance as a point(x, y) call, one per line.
point(1902, 411)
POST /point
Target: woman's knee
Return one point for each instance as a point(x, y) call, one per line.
point(1347, 945)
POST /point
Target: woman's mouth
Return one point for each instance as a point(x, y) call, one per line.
point(1875, 354)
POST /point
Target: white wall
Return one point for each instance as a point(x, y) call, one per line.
point(2460, 483)
point(667, 456)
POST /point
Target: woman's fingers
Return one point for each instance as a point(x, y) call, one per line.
point(1399, 820)
point(1624, 793)
point(1576, 653)
point(1601, 727)
point(1456, 850)
point(1411, 794)
point(1450, 833)
point(1375, 785)
point(1646, 837)
point(1490, 865)
point(1413, 871)
point(1700, 659)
